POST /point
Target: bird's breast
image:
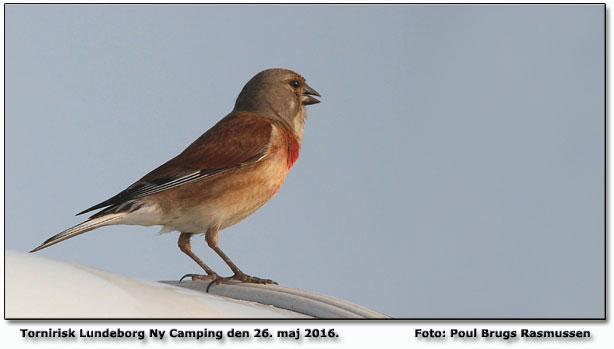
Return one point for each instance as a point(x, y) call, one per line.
point(293, 150)
point(226, 199)
point(246, 191)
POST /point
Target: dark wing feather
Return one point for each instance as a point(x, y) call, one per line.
point(239, 139)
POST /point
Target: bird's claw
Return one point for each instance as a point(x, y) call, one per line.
point(195, 277)
point(240, 276)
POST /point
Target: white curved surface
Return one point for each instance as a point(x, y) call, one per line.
point(43, 288)
point(293, 299)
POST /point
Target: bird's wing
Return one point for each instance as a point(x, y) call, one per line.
point(240, 139)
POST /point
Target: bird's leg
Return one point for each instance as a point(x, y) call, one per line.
point(211, 238)
point(184, 246)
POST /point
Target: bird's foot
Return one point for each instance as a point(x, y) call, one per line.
point(195, 277)
point(240, 276)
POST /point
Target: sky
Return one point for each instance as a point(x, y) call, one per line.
point(454, 169)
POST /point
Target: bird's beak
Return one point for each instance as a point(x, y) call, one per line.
point(307, 98)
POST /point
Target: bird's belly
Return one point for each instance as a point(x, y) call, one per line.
point(229, 198)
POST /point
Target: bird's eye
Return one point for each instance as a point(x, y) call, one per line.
point(295, 83)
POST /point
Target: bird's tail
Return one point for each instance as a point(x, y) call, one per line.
point(81, 228)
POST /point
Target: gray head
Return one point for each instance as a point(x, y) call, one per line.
point(279, 94)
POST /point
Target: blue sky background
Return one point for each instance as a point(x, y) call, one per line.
point(455, 167)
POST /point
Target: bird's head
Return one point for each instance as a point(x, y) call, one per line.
point(279, 94)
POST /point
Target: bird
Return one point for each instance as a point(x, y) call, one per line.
point(224, 176)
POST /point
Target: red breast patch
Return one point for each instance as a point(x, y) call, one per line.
point(293, 150)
